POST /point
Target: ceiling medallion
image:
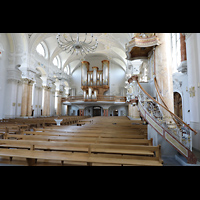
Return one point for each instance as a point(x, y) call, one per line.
point(71, 45)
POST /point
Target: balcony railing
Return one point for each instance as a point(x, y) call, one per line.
point(98, 98)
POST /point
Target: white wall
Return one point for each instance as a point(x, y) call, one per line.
point(73, 108)
point(76, 82)
point(3, 72)
point(116, 80)
point(95, 61)
point(122, 110)
point(193, 71)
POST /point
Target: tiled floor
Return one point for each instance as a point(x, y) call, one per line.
point(197, 154)
point(170, 161)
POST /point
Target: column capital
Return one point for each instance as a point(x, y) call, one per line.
point(15, 81)
point(25, 81)
point(31, 82)
point(46, 87)
point(59, 92)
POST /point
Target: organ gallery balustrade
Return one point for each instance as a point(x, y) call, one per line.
point(98, 98)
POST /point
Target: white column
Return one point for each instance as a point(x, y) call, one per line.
point(59, 103)
point(73, 91)
point(38, 96)
point(35, 101)
point(19, 99)
point(11, 94)
point(52, 100)
point(193, 60)
point(29, 100)
point(24, 104)
point(44, 106)
point(164, 72)
point(40, 101)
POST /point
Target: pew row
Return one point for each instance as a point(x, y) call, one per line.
point(89, 153)
point(79, 139)
point(86, 134)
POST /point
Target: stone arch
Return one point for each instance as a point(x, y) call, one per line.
point(93, 111)
point(178, 103)
point(41, 70)
point(117, 110)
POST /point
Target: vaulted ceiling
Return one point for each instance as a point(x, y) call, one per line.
point(111, 46)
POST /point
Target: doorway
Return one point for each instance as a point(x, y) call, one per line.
point(115, 113)
point(178, 105)
point(96, 111)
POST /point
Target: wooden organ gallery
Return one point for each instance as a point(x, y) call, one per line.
point(94, 82)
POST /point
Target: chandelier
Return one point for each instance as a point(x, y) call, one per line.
point(71, 45)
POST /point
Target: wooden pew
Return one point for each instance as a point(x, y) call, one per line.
point(85, 134)
point(46, 121)
point(94, 153)
point(80, 139)
point(112, 141)
point(82, 128)
point(97, 131)
point(83, 122)
point(77, 147)
point(14, 128)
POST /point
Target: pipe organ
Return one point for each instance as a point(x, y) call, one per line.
point(94, 82)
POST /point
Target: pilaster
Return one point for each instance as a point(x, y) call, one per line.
point(29, 99)
point(26, 105)
point(59, 103)
point(163, 69)
point(81, 112)
point(24, 97)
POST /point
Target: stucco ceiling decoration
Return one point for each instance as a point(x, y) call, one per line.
point(111, 45)
point(140, 45)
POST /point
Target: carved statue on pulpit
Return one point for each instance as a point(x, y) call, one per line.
point(143, 35)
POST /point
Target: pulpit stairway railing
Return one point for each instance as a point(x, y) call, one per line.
point(173, 129)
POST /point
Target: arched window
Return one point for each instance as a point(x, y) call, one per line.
point(57, 62)
point(175, 50)
point(40, 49)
